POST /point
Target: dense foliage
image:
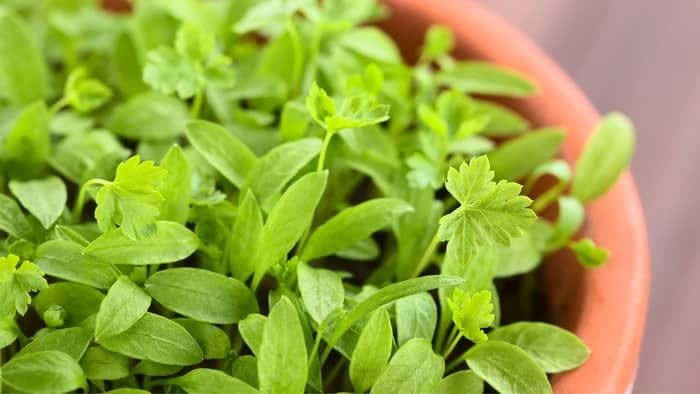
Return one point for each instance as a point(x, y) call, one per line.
point(243, 196)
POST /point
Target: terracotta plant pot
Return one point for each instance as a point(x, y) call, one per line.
point(605, 307)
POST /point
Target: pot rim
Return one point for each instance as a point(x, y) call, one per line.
point(610, 320)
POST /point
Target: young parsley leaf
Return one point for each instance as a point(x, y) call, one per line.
point(16, 284)
point(472, 313)
point(132, 201)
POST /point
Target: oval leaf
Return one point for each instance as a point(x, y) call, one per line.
point(507, 368)
point(156, 339)
point(606, 154)
point(413, 369)
point(202, 295)
point(232, 158)
point(123, 306)
point(416, 317)
point(210, 381)
point(553, 348)
point(282, 363)
point(71, 341)
point(372, 351)
point(65, 260)
point(171, 242)
point(288, 220)
point(321, 290)
point(46, 371)
point(44, 198)
point(518, 157)
point(79, 301)
point(353, 225)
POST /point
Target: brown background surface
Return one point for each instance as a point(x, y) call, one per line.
point(642, 57)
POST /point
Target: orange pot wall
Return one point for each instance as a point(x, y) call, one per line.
point(605, 307)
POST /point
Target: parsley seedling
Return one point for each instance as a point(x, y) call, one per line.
point(266, 198)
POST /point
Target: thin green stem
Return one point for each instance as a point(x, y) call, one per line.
point(450, 348)
point(425, 260)
point(57, 106)
point(196, 107)
point(317, 343)
point(450, 338)
point(82, 196)
point(324, 148)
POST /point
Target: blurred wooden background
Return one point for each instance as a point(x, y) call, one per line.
point(643, 57)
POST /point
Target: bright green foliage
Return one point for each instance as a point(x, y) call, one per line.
point(16, 284)
point(265, 196)
point(588, 254)
point(132, 201)
point(489, 212)
point(85, 94)
point(472, 313)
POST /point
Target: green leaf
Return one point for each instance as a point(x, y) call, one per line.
point(553, 348)
point(523, 255)
point(294, 120)
point(85, 94)
point(9, 331)
point(205, 381)
point(356, 112)
point(65, 260)
point(23, 73)
point(79, 301)
point(150, 368)
point(438, 41)
point(171, 242)
point(167, 72)
point(27, 145)
point(124, 305)
point(16, 284)
point(364, 250)
point(372, 351)
point(46, 371)
point(288, 220)
point(156, 339)
point(388, 294)
point(12, 220)
point(193, 42)
point(606, 154)
point(413, 369)
point(460, 382)
point(245, 238)
point(520, 156)
point(472, 313)
point(149, 116)
point(507, 368)
point(490, 212)
point(44, 198)
point(282, 363)
point(202, 295)
point(251, 329)
point(101, 364)
point(503, 122)
point(222, 150)
point(352, 225)
point(72, 341)
point(132, 201)
point(475, 77)
point(321, 290)
point(245, 368)
point(319, 105)
point(372, 43)
point(588, 254)
point(176, 187)
point(214, 342)
point(416, 317)
point(78, 155)
point(271, 173)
